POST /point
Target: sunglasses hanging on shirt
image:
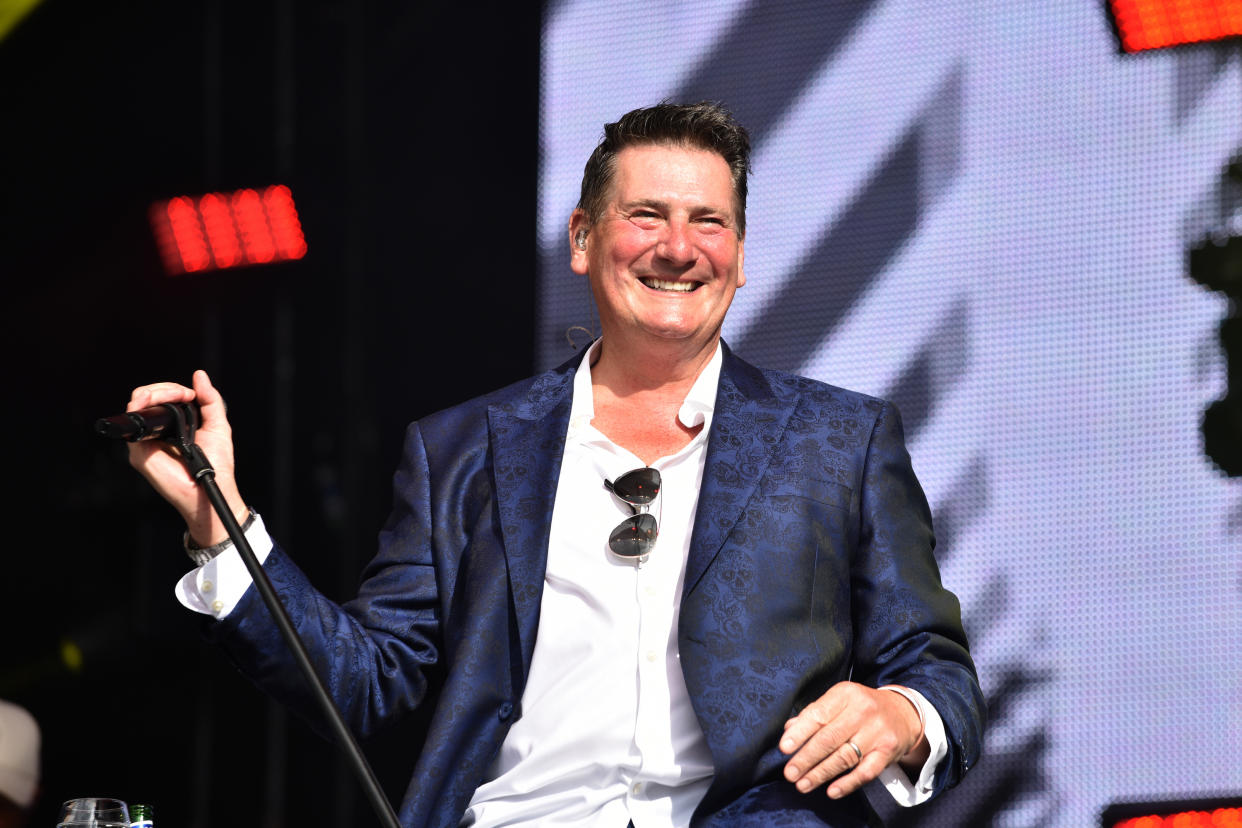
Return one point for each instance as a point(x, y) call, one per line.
point(635, 537)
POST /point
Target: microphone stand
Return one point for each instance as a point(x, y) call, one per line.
point(205, 476)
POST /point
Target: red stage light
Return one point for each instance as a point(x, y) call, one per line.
point(1215, 818)
point(1154, 24)
point(220, 230)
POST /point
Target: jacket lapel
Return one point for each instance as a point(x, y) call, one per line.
point(747, 425)
point(527, 438)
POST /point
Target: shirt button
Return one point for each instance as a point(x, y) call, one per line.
point(651, 591)
point(208, 586)
point(637, 789)
point(217, 606)
point(652, 655)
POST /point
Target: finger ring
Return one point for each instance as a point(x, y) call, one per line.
point(857, 750)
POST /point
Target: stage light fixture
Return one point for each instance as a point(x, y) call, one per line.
point(223, 230)
point(1155, 24)
point(1173, 815)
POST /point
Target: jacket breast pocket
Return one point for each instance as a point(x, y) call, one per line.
point(802, 497)
point(795, 519)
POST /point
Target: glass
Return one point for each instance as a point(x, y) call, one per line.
point(93, 812)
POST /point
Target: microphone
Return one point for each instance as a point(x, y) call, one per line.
point(158, 422)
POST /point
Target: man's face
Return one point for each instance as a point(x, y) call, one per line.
point(664, 256)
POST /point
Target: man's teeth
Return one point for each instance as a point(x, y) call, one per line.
point(660, 284)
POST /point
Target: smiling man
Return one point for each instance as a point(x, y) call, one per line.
point(655, 586)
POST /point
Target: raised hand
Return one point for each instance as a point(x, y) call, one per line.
point(159, 463)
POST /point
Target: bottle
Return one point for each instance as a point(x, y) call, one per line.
point(141, 816)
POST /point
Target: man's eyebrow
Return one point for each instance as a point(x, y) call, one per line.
point(643, 202)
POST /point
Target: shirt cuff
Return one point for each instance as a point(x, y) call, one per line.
point(215, 587)
point(894, 778)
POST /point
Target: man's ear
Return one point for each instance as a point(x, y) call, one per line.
point(579, 237)
point(741, 261)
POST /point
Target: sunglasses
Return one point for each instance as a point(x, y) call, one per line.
point(634, 538)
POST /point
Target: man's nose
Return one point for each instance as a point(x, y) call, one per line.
point(676, 243)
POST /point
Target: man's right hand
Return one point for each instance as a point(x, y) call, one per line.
point(159, 461)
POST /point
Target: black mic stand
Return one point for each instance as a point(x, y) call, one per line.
point(205, 476)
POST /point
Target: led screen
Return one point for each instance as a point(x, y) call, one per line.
point(982, 211)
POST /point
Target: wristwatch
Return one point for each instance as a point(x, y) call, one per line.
point(202, 554)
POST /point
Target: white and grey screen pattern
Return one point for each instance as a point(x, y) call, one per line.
point(981, 211)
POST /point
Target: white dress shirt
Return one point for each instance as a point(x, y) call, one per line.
point(607, 732)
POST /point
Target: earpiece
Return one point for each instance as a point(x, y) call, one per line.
point(580, 240)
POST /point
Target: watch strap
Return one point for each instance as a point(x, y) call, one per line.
point(202, 554)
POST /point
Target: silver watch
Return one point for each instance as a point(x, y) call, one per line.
point(202, 554)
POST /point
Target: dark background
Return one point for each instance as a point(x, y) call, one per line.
point(407, 133)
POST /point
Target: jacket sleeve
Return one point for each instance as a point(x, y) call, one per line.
point(374, 652)
point(907, 626)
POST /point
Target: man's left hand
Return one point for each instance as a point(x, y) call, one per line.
point(849, 735)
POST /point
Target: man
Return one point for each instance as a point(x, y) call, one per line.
point(787, 630)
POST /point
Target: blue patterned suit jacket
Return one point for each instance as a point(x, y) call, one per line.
point(811, 562)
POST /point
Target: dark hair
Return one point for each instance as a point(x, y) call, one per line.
point(705, 125)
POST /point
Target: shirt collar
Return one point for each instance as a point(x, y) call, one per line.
point(697, 408)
